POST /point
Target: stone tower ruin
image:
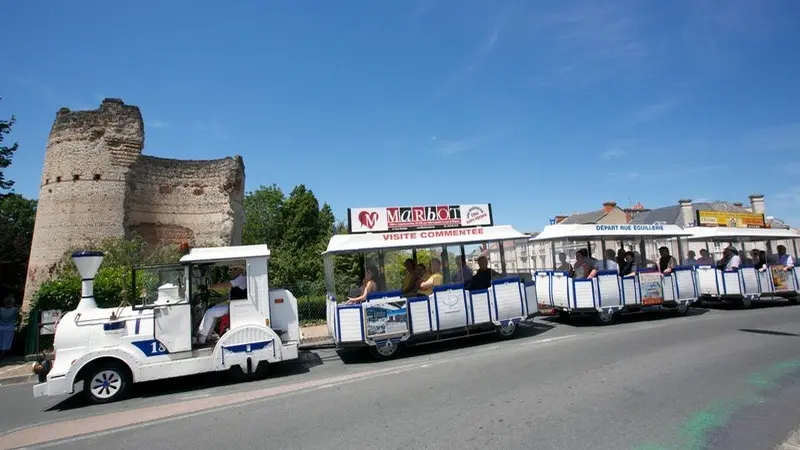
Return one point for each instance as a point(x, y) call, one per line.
point(97, 184)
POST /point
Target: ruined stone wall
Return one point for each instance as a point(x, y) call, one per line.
point(96, 184)
point(197, 201)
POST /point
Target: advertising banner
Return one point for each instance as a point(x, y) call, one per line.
point(651, 288)
point(730, 219)
point(407, 218)
point(780, 278)
point(386, 318)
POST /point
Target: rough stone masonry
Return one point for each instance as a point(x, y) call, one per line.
point(97, 184)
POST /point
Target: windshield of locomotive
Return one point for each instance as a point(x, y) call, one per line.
point(159, 285)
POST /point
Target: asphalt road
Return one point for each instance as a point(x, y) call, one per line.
point(719, 379)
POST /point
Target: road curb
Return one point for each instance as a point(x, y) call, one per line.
point(17, 380)
point(792, 442)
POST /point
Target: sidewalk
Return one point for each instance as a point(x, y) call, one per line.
point(792, 443)
point(15, 370)
point(315, 335)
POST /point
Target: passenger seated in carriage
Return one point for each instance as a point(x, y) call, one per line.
point(483, 276)
point(583, 268)
point(610, 261)
point(367, 286)
point(666, 263)
point(410, 280)
point(784, 258)
point(690, 258)
point(628, 268)
point(435, 278)
point(564, 265)
point(705, 259)
point(730, 259)
point(759, 258)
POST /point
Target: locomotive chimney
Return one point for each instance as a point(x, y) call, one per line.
point(87, 264)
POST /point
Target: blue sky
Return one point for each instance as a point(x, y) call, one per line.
point(540, 108)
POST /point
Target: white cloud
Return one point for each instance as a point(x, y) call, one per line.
point(455, 146)
point(657, 109)
point(156, 124)
point(784, 137)
point(613, 153)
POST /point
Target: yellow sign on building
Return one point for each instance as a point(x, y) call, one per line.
point(730, 219)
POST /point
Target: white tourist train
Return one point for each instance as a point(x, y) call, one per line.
point(608, 292)
point(497, 299)
point(748, 283)
point(108, 349)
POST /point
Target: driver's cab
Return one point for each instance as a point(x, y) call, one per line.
point(182, 294)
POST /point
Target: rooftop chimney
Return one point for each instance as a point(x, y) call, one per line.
point(738, 204)
point(609, 206)
point(686, 218)
point(757, 203)
point(87, 264)
point(560, 219)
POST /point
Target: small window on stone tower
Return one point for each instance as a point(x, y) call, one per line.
point(58, 179)
point(76, 177)
point(97, 177)
point(47, 181)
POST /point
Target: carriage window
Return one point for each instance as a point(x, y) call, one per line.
point(493, 255)
point(451, 265)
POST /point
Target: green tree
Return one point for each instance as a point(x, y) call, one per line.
point(262, 216)
point(17, 215)
point(6, 153)
point(297, 229)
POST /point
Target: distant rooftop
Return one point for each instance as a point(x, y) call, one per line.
point(672, 214)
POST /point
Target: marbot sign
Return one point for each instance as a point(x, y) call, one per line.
point(407, 218)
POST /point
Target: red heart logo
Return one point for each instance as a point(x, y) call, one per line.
point(368, 218)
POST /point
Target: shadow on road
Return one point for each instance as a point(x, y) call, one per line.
point(527, 330)
point(630, 317)
point(183, 385)
point(772, 302)
point(774, 333)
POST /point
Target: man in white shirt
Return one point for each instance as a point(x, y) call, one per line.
point(785, 259)
point(732, 259)
point(238, 289)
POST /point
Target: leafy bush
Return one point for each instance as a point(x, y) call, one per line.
point(311, 309)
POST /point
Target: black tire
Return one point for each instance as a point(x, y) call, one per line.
point(682, 309)
point(240, 376)
point(563, 316)
point(794, 300)
point(509, 331)
point(605, 319)
point(745, 302)
point(389, 351)
point(106, 382)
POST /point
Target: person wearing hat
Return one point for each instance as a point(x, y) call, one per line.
point(237, 290)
